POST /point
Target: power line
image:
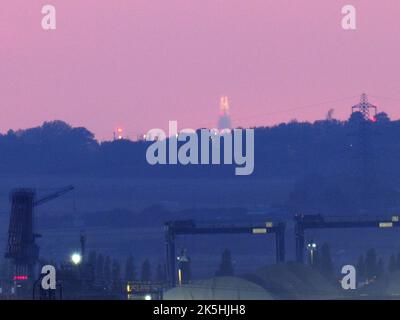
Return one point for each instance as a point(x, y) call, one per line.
point(285, 110)
point(384, 97)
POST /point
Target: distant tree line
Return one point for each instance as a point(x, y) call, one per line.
point(225, 268)
point(284, 150)
point(323, 262)
point(325, 159)
point(369, 266)
point(109, 271)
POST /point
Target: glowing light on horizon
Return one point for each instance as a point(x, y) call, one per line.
point(224, 121)
point(224, 105)
point(119, 133)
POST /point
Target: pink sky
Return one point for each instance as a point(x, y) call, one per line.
point(139, 63)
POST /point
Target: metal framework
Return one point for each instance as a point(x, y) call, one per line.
point(304, 222)
point(367, 109)
point(189, 227)
point(364, 150)
point(21, 239)
point(21, 245)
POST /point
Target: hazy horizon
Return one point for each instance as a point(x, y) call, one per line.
point(139, 64)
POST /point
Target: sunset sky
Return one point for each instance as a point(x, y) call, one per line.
point(139, 63)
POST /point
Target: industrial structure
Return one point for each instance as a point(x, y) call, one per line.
point(21, 245)
point(363, 150)
point(304, 222)
point(224, 121)
point(184, 271)
point(367, 110)
point(189, 227)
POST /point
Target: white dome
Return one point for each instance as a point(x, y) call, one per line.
point(219, 288)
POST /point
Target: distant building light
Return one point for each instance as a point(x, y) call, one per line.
point(119, 133)
point(21, 277)
point(129, 288)
point(395, 219)
point(147, 297)
point(385, 224)
point(269, 224)
point(180, 277)
point(259, 230)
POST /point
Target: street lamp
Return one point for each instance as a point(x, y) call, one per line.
point(76, 258)
point(312, 246)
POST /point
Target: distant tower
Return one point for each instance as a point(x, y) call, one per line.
point(364, 146)
point(22, 247)
point(367, 110)
point(364, 153)
point(118, 134)
point(224, 121)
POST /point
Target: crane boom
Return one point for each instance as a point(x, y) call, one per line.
point(54, 195)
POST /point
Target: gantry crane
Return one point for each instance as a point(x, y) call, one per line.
point(189, 227)
point(304, 222)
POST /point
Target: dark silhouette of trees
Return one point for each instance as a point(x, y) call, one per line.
point(130, 269)
point(100, 267)
point(160, 273)
point(324, 261)
point(380, 268)
point(371, 264)
point(145, 274)
point(371, 267)
point(116, 275)
point(286, 149)
point(394, 263)
point(398, 261)
point(6, 270)
point(320, 157)
point(107, 270)
point(92, 258)
point(356, 118)
point(361, 268)
point(226, 266)
point(392, 266)
point(382, 118)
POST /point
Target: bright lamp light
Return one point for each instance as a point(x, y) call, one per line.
point(76, 258)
